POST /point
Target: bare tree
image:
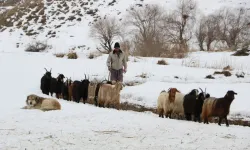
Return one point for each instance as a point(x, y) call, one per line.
point(212, 29)
point(201, 33)
point(234, 23)
point(146, 32)
point(179, 24)
point(106, 30)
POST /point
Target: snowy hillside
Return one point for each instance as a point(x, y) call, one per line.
point(69, 22)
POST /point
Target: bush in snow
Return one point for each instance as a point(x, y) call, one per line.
point(72, 55)
point(37, 47)
point(162, 62)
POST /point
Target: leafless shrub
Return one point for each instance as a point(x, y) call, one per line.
point(234, 28)
point(94, 55)
point(106, 30)
point(178, 25)
point(148, 40)
point(200, 33)
point(162, 62)
point(60, 55)
point(72, 55)
point(37, 47)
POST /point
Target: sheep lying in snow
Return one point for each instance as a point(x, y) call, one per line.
point(109, 94)
point(217, 107)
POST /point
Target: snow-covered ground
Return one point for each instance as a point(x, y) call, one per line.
point(79, 126)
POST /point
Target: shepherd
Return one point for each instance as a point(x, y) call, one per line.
point(117, 63)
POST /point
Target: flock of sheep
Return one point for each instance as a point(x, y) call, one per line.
point(200, 105)
point(172, 102)
point(103, 94)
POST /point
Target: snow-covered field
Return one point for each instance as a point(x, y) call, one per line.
point(79, 126)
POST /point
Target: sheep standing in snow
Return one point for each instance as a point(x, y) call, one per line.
point(91, 91)
point(80, 90)
point(109, 94)
point(171, 101)
point(217, 107)
point(178, 105)
point(67, 90)
point(161, 101)
point(198, 105)
point(45, 82)
point(189, 102)
point(56, 85)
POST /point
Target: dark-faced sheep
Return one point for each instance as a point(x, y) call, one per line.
point(80, 90)
point(189, 103)
point(198, 105)
point(76, 91)
point(45, 82)
point(56, 85)
point(218, 107)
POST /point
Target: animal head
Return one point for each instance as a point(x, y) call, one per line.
point(60, 77)
point(48, 73)
point(173, 90)
point(230, 94)
point(32, 100)
point(194, 92)
point(68, 82)
point(118, 85)
point(204, 93)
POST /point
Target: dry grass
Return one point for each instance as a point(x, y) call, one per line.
point(60, 55)
point(72, 55)
point(162, 62)
point(94, 55)
point(143, 75)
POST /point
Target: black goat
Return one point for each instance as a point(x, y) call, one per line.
point(56, 85)
point(45, 82)
point(189, 101)
point(80, 90)
point(198, 105)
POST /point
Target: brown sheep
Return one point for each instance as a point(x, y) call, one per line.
point(91, 91)
point(109, 94)
point(70, 88)
point(217, 107)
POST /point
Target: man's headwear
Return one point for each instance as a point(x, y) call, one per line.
point(117, 45)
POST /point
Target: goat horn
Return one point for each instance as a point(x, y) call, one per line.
point(205, 91)
point(85, 75)
point(46, 69)
point(201, 90)
point(50, 69)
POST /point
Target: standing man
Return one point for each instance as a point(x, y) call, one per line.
point(117, 63)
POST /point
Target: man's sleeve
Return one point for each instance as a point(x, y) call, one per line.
point(109, 61)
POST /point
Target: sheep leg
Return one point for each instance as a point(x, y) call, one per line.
point(227, 124)
point(219, 123)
